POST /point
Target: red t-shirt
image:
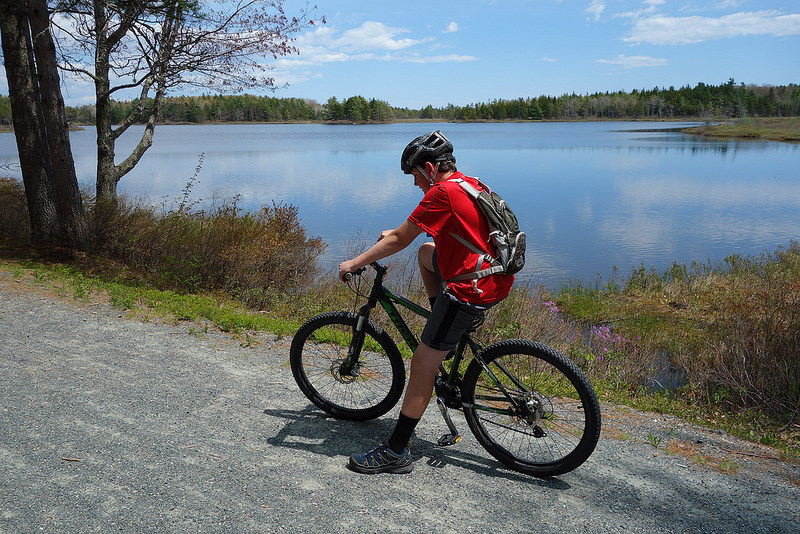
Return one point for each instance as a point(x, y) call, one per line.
point(445, 209)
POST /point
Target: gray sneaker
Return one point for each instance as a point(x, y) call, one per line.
point(382, 459)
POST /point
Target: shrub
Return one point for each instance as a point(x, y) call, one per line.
point(14, 222)
point(752, 358)
point(254, 257)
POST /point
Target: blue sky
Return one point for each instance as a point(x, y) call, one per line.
point(413, 53)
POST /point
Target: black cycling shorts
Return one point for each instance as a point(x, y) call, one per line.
point(449, 318)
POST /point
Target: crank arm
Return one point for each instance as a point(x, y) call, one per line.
point(453, 437)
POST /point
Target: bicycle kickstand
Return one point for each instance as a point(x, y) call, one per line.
point(453, 437)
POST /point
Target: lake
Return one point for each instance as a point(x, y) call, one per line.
point(589, 195)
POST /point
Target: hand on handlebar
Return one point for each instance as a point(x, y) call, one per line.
point(347, 269)
point(347, 272)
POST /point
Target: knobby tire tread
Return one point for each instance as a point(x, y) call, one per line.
point(394, 365)
point(545, 466)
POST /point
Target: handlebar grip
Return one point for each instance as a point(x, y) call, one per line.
point(349, 276)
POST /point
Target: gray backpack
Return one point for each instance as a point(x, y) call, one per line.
point(504, 233)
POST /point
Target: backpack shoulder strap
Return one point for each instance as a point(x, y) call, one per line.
point(471, 191)
point(494, 265)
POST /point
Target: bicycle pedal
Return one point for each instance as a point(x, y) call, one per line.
point(449, 439)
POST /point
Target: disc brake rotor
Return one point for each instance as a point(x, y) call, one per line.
point(532, 410)
point(336, 372)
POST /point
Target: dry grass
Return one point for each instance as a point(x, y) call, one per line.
point(722, 339)
point(254, 257)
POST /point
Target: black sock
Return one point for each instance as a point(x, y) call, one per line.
point(401, 436)
point(432, 300)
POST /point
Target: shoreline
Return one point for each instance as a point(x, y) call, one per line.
point(780, 129)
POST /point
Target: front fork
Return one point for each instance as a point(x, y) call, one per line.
point(350, 365)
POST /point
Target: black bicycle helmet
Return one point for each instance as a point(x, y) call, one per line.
point(429, 147)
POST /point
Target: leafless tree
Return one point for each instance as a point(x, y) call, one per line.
point(155, 46)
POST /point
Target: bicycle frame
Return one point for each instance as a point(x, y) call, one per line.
point(448, 395)
point(380, 294)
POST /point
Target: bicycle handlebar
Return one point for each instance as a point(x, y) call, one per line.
point(380, 269)
point(357, 272)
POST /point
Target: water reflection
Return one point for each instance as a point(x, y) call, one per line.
point(589, 195)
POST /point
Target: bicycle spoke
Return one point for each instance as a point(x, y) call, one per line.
point(321, 364)
point(527, 407)
point(361, 391)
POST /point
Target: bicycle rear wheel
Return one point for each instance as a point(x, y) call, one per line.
point(368, 390)
point(553, 424)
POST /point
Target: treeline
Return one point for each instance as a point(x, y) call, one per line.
point(702, 101)
point(216, 108)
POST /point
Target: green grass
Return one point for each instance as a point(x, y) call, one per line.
point(653, 440)
point(137, 300)
point(772, 128)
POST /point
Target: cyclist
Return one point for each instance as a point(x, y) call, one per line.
point(457, 298)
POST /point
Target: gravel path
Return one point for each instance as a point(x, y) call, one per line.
point(109, 423)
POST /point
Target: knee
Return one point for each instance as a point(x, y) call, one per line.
point(421, 370)
point(426, 360)
point(425, 255)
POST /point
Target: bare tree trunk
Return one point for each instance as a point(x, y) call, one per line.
point(108, 172)
point(106, 187)
point(68, 198)
point(28, 122)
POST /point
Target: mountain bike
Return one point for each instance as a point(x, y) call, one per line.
point(527, 404)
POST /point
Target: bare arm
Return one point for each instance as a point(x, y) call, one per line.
point(389, 242)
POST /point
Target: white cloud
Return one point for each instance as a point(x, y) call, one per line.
point(633, 62)
point(450, 58)
point(595, 9)
point(316, 55)
point(705, 8)
point(293, 77)
point(727, 4)
point(369, 36)
point(549, 59)
point(374, 35)
point(651, 8)
point(370, 41)
point(664, 30)
point(451, 28)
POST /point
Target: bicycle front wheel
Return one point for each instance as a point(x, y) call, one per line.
point(368, 389)
point(533, 409)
